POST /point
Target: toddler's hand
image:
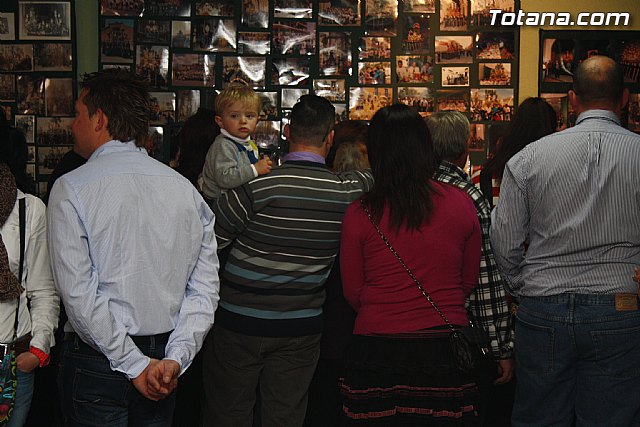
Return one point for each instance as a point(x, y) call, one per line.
point(263, 166)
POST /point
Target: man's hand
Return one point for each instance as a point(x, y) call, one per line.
point(505, 371)
point(263, 166)
point(162, 377)
point(27, 362)
point(141, 384)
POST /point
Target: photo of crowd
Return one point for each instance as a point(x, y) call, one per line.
point(339, 12)
point(374, 73)
point(455, 100)
point(335, 53)
point(381, 17)
point(290, 71)
point(27, 124)
point(163, 108)
point(30, 95)
point(59, 97)
point(122, 7)
point(49, 20)
point(415, 34)
point(192, 69)
point(374, 48)
point(495, 45)
point(454, 15)
point(54, 131)
point(116, 40)
point(16, 57)
point(152, 64)
point(332, 89)
point(455, 76)
point(215, 8)
point(480, 14)
point(53, 57)
point(298, 9)
point(7, 87)
point(254, 43)
point(246, 69)
point(414, 69)
point(7, 27)
point(454, 49)
point(214, 35)
point(295, 38)
point(491, 104)
point(420, 98)
point(156, 31)
point(365, 101)
point(168, 8)
point(494, 74)
point(49, 157)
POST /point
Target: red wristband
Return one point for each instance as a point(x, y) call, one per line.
point(44, 357)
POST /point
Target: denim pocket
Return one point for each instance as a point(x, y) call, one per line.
point(97, 397)
point(618, 351)
point(534, 346)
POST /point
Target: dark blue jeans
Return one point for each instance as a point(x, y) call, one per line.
point(578, 359)
point(92, 394)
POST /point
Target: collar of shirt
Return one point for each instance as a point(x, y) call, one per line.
point(247, 143)
point(304, 156)
point(115, 146)
point(598, 114)
point(448, 168)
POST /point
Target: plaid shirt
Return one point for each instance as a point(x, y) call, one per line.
point(488, 302)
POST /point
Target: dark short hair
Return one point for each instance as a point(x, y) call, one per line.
point(125, 101)
point(196, 136)
point(598, 80)
point(15, 153)
point(311, 120)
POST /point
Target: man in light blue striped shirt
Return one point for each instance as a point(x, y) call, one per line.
point(133, 253)
point(566, 235)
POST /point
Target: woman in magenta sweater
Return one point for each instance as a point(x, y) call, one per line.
point(399, 367)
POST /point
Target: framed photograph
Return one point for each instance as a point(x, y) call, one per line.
point(168, 8)
point(374, 48)
point(557, 60)
point(31, 170)
point(633, 121)
point(49, 157)
point(454, 15)
point(332, 89)
point(215, 8)
point(16, 57)
point(59, 98)
point(163, 108)
point(420, 98)
point(254, 43)
point(7, 26)
point(152, 64)
point(267, 134)
point(298, 9)
point(495, 45)
point(31, 154)
point(192, 69)
point(365, 101)
point(339, 12)
point(122, 7)
point(30, 95)
point(419, 6)
point(415, 34)
point(455, 76)
point(494, 74)
point(249, 70)
point(7, 88)
point(155, 143)
point(414, 69)
point(214, 35)
point(269, 109)
point(290, 71)
point(480, 10)
point(629, 58)
point(188, 103)
point(456, 100)
point(381, 17)
point(48, 20)
point(155, 31)
point(374, 73)
point(53, 57)
point(342, 113)
point(454, 49)
point(181, 34)
point(295, 38)
point(255, 13)
point(7, 110)
point(116, 41)
point(26, 124)
point(491, 104)
point(335, 53)
point(290, 96)
point(477, 140)
point(54, 131)
point(560, 104)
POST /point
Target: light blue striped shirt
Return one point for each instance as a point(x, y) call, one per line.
point(133, 252)
point(575, 197)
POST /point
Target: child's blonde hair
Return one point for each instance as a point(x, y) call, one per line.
point(238, 92)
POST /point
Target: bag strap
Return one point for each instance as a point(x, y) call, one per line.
point(23, 228)
point(413, 277)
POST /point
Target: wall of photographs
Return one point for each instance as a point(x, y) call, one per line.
point(37, 78)
point(359, 54)
point(561, 51)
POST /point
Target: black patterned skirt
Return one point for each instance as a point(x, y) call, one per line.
point(406, 380)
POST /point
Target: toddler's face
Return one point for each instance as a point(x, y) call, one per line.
point(238, 119)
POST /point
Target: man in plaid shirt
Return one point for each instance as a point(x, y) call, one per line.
point(488, 302)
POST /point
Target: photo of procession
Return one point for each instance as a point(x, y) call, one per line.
point(491, 104)
point(49, 20)
point(454, 49)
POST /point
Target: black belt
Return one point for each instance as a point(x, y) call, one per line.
point(159, 339)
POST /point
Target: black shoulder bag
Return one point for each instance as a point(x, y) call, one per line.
point(469, 345)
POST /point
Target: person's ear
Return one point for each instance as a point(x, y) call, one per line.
point(573, 99)
point(219, 121)
point(286, 131)
point(101, 120)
